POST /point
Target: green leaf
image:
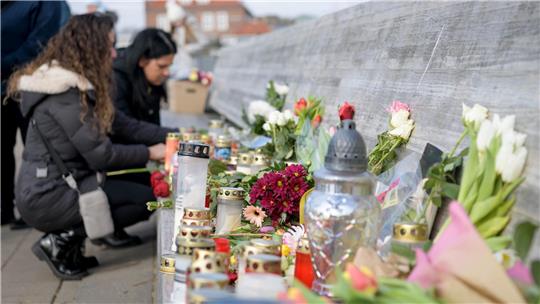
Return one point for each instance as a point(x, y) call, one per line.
point(498, 243)
point(493, 226)
point(403, 251)
point(450, 190)
point(470, 169)
point(480, 209)
point(535, 270)
point(523, 238)
point(488, 177)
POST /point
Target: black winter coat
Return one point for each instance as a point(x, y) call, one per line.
point(46, 202)
point(123, 96)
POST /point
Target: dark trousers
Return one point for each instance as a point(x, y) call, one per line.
point(128, 201)
point(12, 119)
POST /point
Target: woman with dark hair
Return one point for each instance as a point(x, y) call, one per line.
point(140, 72)
point(65, 94)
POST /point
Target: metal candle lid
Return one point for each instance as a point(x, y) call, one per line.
point(208, 261)
point(245, 159)
point(194, 149)
point(192, 222)
point(260, 159)
point(187, 137)
point(410, 232)
point(267, 246)
point(209, 295)
point(195, 231)
point(215, 124)
point(167, 263)
point(208, 280)
point(264, 263)
point(231, 193)
point(174, 135)
point(197, 213)
point(347, 150)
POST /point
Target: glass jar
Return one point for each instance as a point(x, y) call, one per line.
point(215, 129)
point(222, 148)
point(171, 147)
point(229, 210)
point(263, 263)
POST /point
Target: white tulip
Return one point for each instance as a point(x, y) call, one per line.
point(404, 130)
point(399, 118)
point(485, 135)
point(273, 117)
point(266, 127)
point(510, 163)
point(475, 115)
point(513, 138)
point(288, 114)
point(282, 120)
point(504, 125)
point(281, 89)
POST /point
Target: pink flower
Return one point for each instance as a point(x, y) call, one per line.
point(382, 195)
point(267, 229)
point(295, 171)
point(361, 279)
point(397, 106)
point(520, 273)
point(255, 215)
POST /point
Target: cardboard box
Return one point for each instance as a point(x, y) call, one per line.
point(186, 96)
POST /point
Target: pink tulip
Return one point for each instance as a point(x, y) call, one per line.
point(520, 273)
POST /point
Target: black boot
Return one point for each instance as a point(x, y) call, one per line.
point(57, 250)
point(80, 259)
point(119, 239)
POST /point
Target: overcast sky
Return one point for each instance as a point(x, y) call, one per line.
point(131, 12)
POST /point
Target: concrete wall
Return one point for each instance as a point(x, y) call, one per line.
point(432, 55)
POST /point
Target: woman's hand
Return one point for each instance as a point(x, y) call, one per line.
point(157, 152)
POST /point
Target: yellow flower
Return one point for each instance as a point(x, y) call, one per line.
point(233, 260)
point(285, 250)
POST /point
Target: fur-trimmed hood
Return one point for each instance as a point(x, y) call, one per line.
point(48, 79)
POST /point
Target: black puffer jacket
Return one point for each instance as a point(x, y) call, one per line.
point(124, 93)
point(51, 96)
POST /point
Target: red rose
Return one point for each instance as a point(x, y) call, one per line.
point(300, 105)
point(161, 189)
point(346, 111)
point(156, 177)
point(316, 121)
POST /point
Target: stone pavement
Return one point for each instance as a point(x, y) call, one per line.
point(124, 276)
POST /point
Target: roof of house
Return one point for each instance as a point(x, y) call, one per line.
point(252, 27)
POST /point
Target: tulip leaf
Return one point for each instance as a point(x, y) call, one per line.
point(493, 226)
point(523, 238)
point(506, 207)
point(535, 270)
point(498, 243)
point(470, 169)
point(480, 209)
point(488, 177)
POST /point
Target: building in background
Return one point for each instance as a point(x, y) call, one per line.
point(227, 21)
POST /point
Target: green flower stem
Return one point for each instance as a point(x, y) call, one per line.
point(461, 137)
point(128, 171)
point(394, 146)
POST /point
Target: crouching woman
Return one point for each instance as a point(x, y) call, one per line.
point(65, 94)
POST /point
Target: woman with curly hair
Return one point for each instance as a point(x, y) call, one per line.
point(65, 94)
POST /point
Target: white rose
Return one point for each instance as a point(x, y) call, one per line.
point(475, 115)
point(399, 118)
point(404, 130)
point(485, 135)
point(510, 163)
point(281, 89)
point(266, 127)
point(282, 120)
point(257, 107)
point(288, 114)
point(273, 117)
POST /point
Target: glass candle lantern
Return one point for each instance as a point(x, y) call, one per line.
point(190, 137)
point(244, 163)
point(222, 148)
point(303, 268)
point(341, 214)
point(263, 263)
point(208, 261)
point(215, 129)
point(411, 235)
point(260, 161)
point(193, 161)
point(260, 287)
point(207, 280)
point(229, 212)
